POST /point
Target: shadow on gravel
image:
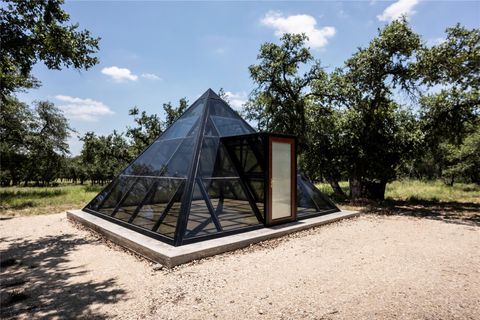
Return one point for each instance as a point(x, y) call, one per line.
point(465, 213)
point(36, 282)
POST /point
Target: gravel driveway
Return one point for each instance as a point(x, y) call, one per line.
point(371, 267)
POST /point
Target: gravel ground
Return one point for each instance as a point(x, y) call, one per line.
point(371, 267)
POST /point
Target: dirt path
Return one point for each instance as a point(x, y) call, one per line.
point(365, 268)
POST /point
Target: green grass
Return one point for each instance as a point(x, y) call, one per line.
point(43, 200)
point(413, 190)
point(416, 190)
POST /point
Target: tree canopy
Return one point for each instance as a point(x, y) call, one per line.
point(352, 122)
point(33, 31)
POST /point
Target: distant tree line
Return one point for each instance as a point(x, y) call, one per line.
point(103, 157)
point(33, 140)
point(395, 108)
point(34, 146)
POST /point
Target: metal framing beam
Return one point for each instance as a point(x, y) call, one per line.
point(148, 196)
point(182, 220)
point(213, 214)
point(124, 197)
point(169, 206)
point(238, 167)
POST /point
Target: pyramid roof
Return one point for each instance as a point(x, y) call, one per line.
point(186, 186)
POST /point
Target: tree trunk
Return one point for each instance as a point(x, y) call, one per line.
point(356, 188)
point(450, 181)
point(360, 189)
point(375, 190)
point(337, 190)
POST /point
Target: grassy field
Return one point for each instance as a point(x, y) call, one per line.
point(44, 200)
point(416, 190)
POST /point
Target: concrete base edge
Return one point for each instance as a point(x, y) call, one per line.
point(171, 256)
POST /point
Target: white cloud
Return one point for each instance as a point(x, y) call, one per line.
point(119, 74)
point(301, 23)
point(150, 76)
point(83, 109)
point(236, 100)
point(397, 9)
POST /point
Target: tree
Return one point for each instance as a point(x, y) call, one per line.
point(173, 113)
point(48, 143)
point(32, 31)
point(223, 95)
point(74, 169)
point(33, 142)
point(325, 157)
point(376, 134)
point(147, 128)
point(452, 114)
point(16, 121)
point(453, 62)
point(279, 102)
point(463, 161)
point(104, 156)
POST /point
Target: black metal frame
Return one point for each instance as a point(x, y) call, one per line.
point(184, 191)
point(133, 227)
point(264, 161)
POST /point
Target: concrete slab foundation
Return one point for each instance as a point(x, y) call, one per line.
point(171, 256)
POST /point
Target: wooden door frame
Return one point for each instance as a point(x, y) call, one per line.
point(293, 181)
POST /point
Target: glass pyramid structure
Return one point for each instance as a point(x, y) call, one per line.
point(192, 183)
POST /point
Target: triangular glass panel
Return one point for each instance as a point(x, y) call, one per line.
point(202, 219)
point(310, 201)
point(210, 130)
point(181, 129)
point(221, 206)
point(153, 160)
point(220, 108)
point(132, 199)
point(159, 211)
point(305, 204)
point(236, 212)
point(230, 126)
point(214, 160)
point(120, 188)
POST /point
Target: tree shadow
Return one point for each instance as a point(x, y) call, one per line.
point(465, 213)
point(37, 282)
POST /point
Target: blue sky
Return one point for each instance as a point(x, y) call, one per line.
point(155, 52)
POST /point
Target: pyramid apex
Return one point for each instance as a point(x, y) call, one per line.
point(210, 94)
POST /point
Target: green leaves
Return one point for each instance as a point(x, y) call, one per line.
point(450, 115)
point(32, 31)
point(453, 62)
point(279, 101)
point(103, 157)
point(149, 127)
point(33, 142)
point(386, 63)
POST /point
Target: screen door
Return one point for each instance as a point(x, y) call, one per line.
point(282, 180)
